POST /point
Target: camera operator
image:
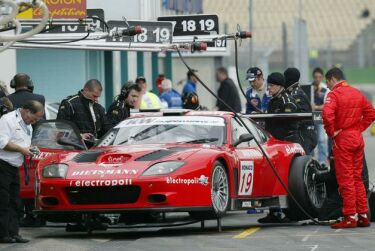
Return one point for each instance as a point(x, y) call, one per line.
point(120, 108)
point(15, 141)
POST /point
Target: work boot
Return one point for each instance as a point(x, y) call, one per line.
point(347, 222)
point(363, 221)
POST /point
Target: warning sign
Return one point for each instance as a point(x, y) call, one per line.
point(59, 9)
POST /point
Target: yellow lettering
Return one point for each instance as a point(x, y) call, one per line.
point(54, 2)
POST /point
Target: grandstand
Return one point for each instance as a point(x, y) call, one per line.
point(334, 25)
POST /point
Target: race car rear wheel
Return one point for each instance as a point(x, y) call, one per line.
point(309, 193)
point(219, 194)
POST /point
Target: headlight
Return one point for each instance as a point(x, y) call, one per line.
point(55, 171)
point(163, 168)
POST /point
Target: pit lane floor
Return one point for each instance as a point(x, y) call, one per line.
point(240, 232)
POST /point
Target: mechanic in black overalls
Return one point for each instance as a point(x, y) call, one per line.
point(306, 128)
point(120, 108)
point(282, 129)
point(85, 112)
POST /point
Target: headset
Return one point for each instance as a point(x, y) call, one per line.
point(30, 84)
point(126, 88)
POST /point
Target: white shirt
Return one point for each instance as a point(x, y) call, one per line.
point(13, 129)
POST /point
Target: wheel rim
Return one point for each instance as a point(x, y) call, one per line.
point(316, 190)
point(219, 189)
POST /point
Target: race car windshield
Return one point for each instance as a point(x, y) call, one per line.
point(164, 130)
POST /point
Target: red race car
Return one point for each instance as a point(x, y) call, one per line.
point(204, 163)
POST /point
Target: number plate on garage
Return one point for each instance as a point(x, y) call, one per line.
point(246, 178)
point(153, 32)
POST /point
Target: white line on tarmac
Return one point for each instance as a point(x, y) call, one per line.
point(338, 230)
point(306, 237)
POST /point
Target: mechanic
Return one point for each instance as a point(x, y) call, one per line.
point(120, 108)
point(85, 112)
point(281, 102)
point(346, 114)
point(282, 129)
point(24, 88)
point(191, 83)
point(149, 100)
point(307, 127)
point(257, 95)
point(15, 143)
point(227, 92)
point(170, 98)
point(320, 94)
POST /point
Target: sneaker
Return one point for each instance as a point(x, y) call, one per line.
point(363, 222)
point(273, 218)
point(347, 222)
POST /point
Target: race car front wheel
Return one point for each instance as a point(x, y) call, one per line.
point(309, 192)
point(219, 189)
point(219, 194)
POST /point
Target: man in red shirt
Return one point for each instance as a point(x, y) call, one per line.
point(346, 114)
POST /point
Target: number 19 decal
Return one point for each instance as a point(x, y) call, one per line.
point(246, 178)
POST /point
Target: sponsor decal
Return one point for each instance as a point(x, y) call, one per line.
point(246, 203)
point(102, 173)
point(100, 183)
point(59, 9)
point(41, 155)
point(246, 178)
point(294, 149)
point(203, 180)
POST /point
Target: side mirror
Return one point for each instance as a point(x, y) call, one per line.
point(244, 138)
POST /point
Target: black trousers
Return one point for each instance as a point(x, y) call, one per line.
point(9, 199)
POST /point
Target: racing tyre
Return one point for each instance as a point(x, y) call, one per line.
point(219, 194)
point(309, 193)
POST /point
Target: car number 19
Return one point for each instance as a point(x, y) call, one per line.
point(246, 178)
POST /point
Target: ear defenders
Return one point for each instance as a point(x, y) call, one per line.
point(126, 88)
point(30, 84)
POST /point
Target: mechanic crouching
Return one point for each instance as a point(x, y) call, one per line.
point(128, 98)
point(282, 129)
point(346, 114)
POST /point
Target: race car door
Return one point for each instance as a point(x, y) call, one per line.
point(49, 136)
point(254, 177)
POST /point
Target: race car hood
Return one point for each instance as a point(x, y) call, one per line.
point(130, 161)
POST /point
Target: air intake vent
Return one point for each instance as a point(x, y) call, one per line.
point(161, 153)
point(89, 156)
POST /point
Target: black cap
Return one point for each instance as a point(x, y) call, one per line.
point(276, 78)
point(252, 73)
point(292, 76)
point(140, 78)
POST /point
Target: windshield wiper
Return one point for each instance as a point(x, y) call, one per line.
point(200, 141)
